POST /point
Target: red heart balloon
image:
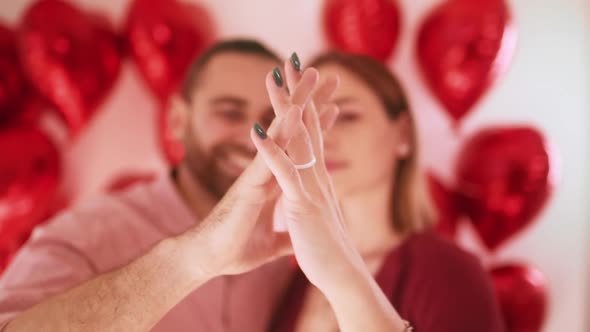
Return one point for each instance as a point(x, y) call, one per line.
point(522, 294)
point(72, 58)
point(463, 46)
point(368, 27)
point(165, 36)
point(12, 80)
point(128, 179)
point(504, 178)
point(17, 97)
point(29, 177)
point(445, 201)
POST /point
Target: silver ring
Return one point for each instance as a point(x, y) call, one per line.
point(307, 165)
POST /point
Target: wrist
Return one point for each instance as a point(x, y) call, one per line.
point(361, 294)
point(346, 271)
point(348, 283)
point(190, 255)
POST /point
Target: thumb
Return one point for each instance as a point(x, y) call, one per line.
point(243, 203)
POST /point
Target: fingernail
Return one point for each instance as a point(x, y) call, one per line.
point(276, 74)
point(259, 131)
point(295, 61)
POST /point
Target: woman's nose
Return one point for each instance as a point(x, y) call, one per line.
point(330, 142)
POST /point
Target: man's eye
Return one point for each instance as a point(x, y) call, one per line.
point(231, 115)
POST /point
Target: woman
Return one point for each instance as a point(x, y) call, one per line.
point(371, 155)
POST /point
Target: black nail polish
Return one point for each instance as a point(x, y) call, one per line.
point(259, 131)
point(295, 61)
point(276, 74)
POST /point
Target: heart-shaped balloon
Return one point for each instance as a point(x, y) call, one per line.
point(504, 176)
point(445, 202)
point(12, 80)
point(463, 46)
point(73, 58)
point(127, 179)
point(164, 37)
point(29, 178)
point(18, 100)
point(522, 294)
point(368, 27)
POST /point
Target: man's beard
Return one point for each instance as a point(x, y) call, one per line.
point(205, 169)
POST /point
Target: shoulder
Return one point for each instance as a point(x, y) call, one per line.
point(446, 284)
point(430, 252)
point(93, 217)
point(437, 264)
point(103, 227)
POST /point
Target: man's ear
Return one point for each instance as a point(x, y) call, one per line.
point(177, 117)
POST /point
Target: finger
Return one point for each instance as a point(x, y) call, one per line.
point(256, 184)
point(310, 143)
point(325, 90)
point(298, 148)
point(301, 93)
point(317, 125)
point(307, 144)
point(286, 126)
point(277, 93)
point(321, 97)
point(328, 117)
point(279, 164)
point(293, 71)
point(256, 180)
point(302, 155)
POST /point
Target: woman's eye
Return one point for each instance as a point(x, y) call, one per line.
point(346, 117)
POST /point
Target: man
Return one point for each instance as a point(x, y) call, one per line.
point(166, 255)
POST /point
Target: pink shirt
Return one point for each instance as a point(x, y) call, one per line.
point(109, 232)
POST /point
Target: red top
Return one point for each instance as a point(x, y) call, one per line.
point(430, 282)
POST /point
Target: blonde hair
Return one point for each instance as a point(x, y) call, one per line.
point(411, 207)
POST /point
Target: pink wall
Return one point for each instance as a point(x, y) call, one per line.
point(548, 86)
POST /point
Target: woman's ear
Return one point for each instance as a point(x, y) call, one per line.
point(177, 117)
point(404, 130)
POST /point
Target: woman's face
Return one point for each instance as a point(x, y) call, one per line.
point(364, 145)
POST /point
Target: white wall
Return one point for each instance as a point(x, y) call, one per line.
point(548, 85)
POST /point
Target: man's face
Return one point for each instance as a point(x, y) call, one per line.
point(229, 97)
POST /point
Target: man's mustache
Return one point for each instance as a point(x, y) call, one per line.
point(225, 150)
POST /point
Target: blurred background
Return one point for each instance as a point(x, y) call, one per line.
point(500, 89)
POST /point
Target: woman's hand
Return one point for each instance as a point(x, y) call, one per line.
point(310, 211)
point(308, 206)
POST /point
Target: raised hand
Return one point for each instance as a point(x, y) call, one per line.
point(236, 237)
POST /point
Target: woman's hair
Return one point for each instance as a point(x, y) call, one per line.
point(411, 207)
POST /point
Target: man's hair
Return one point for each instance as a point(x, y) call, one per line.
point(241, 46)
